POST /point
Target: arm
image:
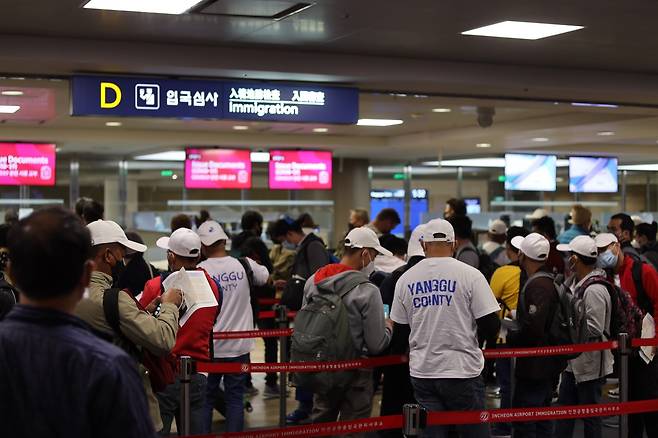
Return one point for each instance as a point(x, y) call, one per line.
point(532, 327)
point(650, 282)
point(375, 333)
point(261, 274)
point(489, 326)
point(316, 256)
point(157, 335)
point(400, 338)
point(597, 305)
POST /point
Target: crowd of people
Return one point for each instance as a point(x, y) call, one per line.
point(90, 331)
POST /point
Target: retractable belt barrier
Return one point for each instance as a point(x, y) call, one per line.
point(271, 333)
point(644, 342)
point(556, 350)
point(268, 301)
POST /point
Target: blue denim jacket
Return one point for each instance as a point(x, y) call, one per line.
point(58, 379)
point(573, 232)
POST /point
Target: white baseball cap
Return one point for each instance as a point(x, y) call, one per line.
point(415, 248)
point(583, 245)
point(438, 230)
point(103, 232)
point(363, 237)
point(533, 245)
point(211, 232)
point(183, 242)
point(605, 239)
point(537, 214)
point(498, 227)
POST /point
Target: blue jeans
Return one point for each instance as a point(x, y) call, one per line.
point(504, 376)
point(584, 393)
point(533, 394)
point(233, 394)
point(452, 395)
point(169, 401)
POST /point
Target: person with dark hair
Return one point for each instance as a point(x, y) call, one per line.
point(454, 207)
point(398, 247)
point(180, 221)
point(137, 271)
point(135, 328)
point(583, 380)
point(203, 216)
point(249, 243)
point(386, 220)
point(506, 283)
point(465, 251)
point(194, 336)
point(56, 377)
point(80, 205)
point(546, 227)
point(645, 236)
point(92, 212)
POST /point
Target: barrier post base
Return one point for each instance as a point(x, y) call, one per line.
point(414, 420)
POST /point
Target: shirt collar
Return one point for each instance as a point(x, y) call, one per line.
point(44, 316)
point(595, 273)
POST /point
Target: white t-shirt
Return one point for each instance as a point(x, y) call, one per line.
point(236, 313)
point(440, 298)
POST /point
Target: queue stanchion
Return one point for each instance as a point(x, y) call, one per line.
point(185, 377)
point(624, 355)
point(281, 318)
point(414, 420)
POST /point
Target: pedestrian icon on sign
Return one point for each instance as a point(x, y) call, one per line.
point(147, 96)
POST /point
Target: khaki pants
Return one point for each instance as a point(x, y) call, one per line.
point(351, 403)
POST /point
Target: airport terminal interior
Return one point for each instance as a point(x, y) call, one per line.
point(161, 108)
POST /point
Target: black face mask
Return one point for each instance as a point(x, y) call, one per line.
point(117, 272)
point(350, 226)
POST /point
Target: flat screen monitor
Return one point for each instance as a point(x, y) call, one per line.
point(593, 175)
point(381, 199)
point(473, 205)
point(27, 164)
point(300, 170)
point(530, 172)
point(217, 169)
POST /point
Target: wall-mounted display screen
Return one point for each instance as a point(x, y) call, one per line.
point(217, 169)
point(381, 199)
point(473, 205)
point(300, 170)
point(530, 172)
point(27, 164)
point(593, 175)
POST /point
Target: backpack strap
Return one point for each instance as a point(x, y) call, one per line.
point(496, 252)
point(643, 301)
point(111, 310)
point(248, 271)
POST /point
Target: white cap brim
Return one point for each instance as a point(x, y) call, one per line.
point(564, 247)
point(516, 241)
point(163, 243)
point(383, 251)
point(605, 239)
point(134, 246)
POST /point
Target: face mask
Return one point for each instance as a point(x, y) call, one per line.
point(635, 244)
point(369, 268)
point(287, 245)
point(117, 271)
point(607, 260)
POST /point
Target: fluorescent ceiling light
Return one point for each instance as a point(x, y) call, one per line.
point(641, 167)
point(9, 109)
point(12, 93)
point(260, 157)
point(595, 105)
point(562, 163)
point(524, 30)
point(320, 130)
point(240, 128)
point(153, 6)
point(540, 139)
point(492, 162)
point(113, 124)
point(441, 110)
point(379, 122)
point(605, 133)
point(483, 145)
point(163, 156)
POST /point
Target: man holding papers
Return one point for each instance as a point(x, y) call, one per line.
point(199, 310)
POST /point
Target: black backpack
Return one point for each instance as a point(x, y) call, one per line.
point(293, 293)
point(8, 297)
point(486, 265)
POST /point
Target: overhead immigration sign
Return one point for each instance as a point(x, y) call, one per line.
point(154, 97)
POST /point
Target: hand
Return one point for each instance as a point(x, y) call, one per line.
point(154, 305)
point(389, 324)
point(173, 296)
point(280, 284)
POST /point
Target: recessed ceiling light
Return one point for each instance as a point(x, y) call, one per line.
point(524, 30)
point(483, 145)
point(113, 124)
point(9, 109)
point(152, 6)
point(441, 110)
point(605, 133)
point(540, 139)
point(163, 156)
point(640, 167)
point(320, 130)
point(495, 162)
point(174, 176)
point(379, 122)
point(12, 93)
point(240, 127)
point(58, 149)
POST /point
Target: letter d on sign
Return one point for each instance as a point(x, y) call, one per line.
point(117, 95)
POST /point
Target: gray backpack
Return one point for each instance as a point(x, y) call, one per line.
point(322, 334)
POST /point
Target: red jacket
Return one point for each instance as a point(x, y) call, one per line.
point(193, 339)
point(649, 281)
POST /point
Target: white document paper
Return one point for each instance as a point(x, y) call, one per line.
point(197, 293)
point(648, 331)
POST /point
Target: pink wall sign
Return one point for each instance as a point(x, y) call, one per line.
point(300, 170)
point(218, 169)
point(27, 164)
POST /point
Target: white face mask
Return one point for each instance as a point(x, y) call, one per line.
point(634, 244)
point(369, 268)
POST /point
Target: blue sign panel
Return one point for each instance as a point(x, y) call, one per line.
point(151, 97)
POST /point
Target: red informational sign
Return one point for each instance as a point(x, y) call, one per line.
point(27, 164)
point(300, 170)
point(218, 169)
